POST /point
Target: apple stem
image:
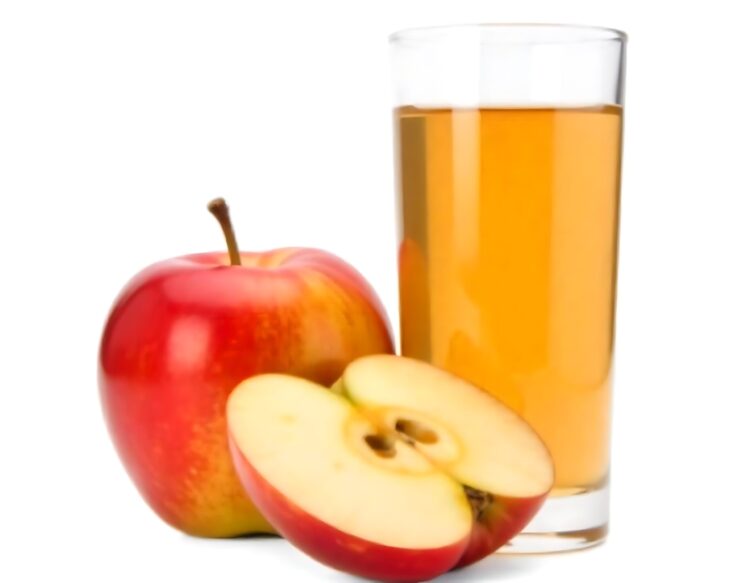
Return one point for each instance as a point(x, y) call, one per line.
point(218, 208)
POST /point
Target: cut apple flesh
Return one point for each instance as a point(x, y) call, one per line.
point(400, 473)
point(459, 427)
point(320, 452)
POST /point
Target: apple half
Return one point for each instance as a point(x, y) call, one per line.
point(400, 473)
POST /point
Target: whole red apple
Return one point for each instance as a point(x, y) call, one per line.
point(184, 332)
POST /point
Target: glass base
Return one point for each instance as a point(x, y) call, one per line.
point(567, 522)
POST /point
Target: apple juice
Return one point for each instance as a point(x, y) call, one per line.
point(508, 262)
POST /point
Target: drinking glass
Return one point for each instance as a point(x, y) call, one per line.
point(508, 142)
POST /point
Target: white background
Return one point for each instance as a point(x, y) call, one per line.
point(119, 120)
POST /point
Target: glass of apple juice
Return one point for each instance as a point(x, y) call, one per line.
point(508, 142)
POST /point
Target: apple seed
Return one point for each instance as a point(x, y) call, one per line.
point(383, 445)
point(416, 431)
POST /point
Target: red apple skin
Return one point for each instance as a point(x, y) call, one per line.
point(184, 332)
point(338, 549)
point(503, 519)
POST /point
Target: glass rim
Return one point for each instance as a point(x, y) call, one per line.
point(537, 33)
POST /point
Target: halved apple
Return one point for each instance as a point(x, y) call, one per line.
point(401, 473)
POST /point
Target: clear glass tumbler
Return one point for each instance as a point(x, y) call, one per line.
point(508, 143)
